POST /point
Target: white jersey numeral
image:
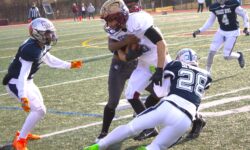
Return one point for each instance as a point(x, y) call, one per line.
point(188, 78)
point(225, 20)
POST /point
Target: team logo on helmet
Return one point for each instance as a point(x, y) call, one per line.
point(114, 10)
point(188, 56)
point(43, 31)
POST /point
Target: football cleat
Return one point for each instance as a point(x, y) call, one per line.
point(20, 144)
point(101, 136)
point(141, 148)
point(198, 125)
point(241, 60)
point(30, 136)
point(147, 133)
point(92, 147)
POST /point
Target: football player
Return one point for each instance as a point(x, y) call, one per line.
point(19, 79)
point(226, 12)
point(175, 111)
point(123, 63)
point(151, 42)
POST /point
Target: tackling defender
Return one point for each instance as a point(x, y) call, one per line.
point(226, 12)
point(19, 79)
point(175, 111)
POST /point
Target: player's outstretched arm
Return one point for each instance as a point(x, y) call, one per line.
point(243, 13)
point(55, 62)
point(210, 21)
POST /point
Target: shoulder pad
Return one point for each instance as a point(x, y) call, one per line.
point(233, 2)
point(214, 6)
point(139, 21)
point(30, 52)
point(173, 64)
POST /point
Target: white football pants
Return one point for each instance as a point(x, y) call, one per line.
point(37, 107)
point(175, 123)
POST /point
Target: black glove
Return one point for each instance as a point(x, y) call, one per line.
point(246, 31)
point(196, 33)
point(157, 76)
point(133, 54)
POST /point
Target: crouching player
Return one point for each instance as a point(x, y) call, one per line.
point(19, 79)
point(175, 111)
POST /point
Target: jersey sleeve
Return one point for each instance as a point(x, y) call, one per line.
point(55, 62)
point(22, 78)
point(139, 22)
point(241, 12)
point(210, 21)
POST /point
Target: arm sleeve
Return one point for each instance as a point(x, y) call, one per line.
point(153, 34)
point(55, 62)
point(241, 12)
point(209, 22)
point(22, 78)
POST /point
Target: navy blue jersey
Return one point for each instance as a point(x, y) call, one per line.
point(29, 51)
point(187, 81)
point(226, 14)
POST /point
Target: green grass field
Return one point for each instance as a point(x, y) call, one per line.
point(72, 97)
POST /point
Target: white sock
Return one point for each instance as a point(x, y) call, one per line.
point(30, 122)
point(234, 55)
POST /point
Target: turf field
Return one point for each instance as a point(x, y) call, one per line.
point(73, 97)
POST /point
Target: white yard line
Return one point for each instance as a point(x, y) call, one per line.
point(225, 93)
point(227, 112)
point(203, 106)
point(81, 127)
point(68, 82)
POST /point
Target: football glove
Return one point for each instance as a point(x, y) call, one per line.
point(25, 104)
point(76, 64)
point(246, 31)
point(157, 76)
point(196, 33)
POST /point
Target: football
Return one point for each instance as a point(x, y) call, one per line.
point(133, 47)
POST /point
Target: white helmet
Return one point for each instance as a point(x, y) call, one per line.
point(187, 55)
point(114, 10)
point(43, 31)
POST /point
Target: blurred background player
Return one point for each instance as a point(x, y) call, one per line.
point(226, 12)
point(175, 111)
point(91, 11)
point(19, 79)
point(121, 67)
point(200, 5)
point(75, 11)
point(33, 12)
